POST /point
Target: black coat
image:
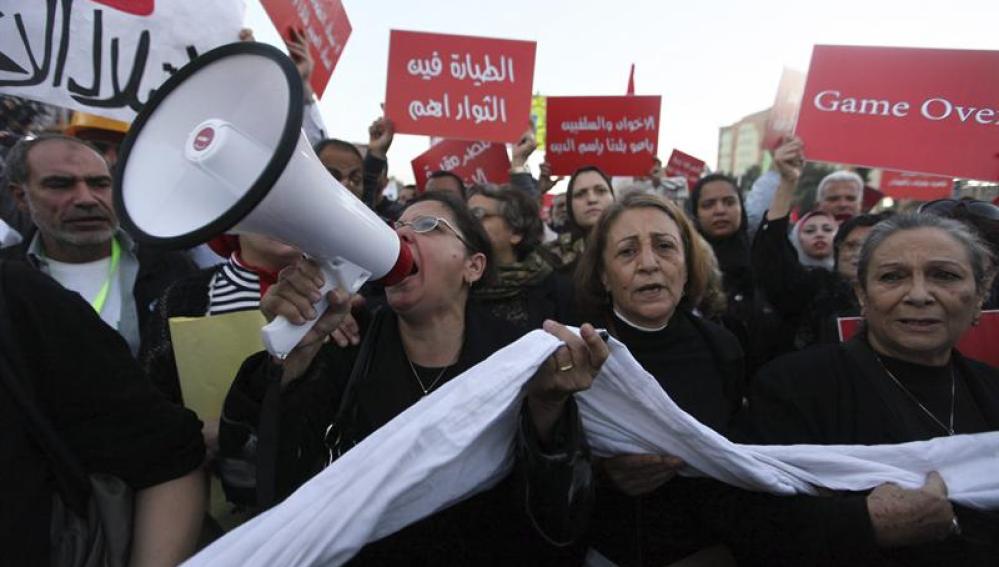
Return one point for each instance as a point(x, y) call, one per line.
point(362, 388)
point(84, 379)
point(839, 394)
point(700, 365)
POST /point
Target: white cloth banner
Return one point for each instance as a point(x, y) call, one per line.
point(105, 56)
point(459, 441)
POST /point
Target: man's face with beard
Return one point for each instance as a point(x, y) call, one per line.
point(68, 193)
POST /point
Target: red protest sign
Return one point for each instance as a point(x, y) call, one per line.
point(326, 27)
point(925, 110)
point(684, 165)
point(459, 87)
point(902, 185)
point(474, 162)
point(618, 134)
point(978, 342)
point(784, 112)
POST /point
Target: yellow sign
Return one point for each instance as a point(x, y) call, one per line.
point(209, 352)
point(539, 114)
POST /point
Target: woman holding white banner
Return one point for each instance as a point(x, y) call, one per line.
point(325, 399)
point(644, 271)
point(921, 284)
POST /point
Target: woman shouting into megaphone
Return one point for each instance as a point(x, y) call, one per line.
point(326, 398)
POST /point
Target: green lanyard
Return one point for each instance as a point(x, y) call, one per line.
point(102, 295)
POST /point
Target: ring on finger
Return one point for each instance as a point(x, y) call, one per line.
point(563, 366)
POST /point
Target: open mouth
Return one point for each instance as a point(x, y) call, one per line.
point(650, 289)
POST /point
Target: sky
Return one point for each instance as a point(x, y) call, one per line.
point(712, 61)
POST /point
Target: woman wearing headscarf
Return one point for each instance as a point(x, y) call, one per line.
point(527, 289)
point(589, 192)
point(716, 206)
point(812, 238)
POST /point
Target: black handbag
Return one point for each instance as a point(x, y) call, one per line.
point(92, 515)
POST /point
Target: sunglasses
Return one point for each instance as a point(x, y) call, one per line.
point(482, 214)
point(946, 207)
point(423, 225)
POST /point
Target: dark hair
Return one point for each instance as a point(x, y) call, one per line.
point(979, 254)
point(16, 166)
point(574, 228)
point(851, 224)
point(470, 227)
point(703, 281)
point(444, 173)
point(519, 211)
point(338, 144)
point(695, 200)
point(980, 215)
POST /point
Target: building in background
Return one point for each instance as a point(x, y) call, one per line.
point(739, 144)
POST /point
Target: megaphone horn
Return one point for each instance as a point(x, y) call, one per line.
point(219, 148)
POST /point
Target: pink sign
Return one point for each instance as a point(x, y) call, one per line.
point(474, 162)
point(684, 165)
point(902, 185)
point(618, 134)
point(326, 27)
point(459, 87)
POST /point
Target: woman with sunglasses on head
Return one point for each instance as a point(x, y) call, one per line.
point(329, 398)
point(527, 289)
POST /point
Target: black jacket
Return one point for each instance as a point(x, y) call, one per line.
point(359, 389)
point(662, 526)
point(830, 395)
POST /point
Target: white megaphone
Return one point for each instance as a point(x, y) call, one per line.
point(219, 148)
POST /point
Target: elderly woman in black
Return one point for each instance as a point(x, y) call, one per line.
point(921, 284)
point(325, 399)
point(644, 271)
point(527, 289)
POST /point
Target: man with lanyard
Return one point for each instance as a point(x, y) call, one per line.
point(65, 185)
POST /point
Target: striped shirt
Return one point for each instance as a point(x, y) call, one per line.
point(234, 287)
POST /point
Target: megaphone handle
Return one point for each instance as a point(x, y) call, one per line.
point(280, 336)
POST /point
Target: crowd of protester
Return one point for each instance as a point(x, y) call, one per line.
point(730, 302)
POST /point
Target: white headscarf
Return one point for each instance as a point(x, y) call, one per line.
point(804, 259)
